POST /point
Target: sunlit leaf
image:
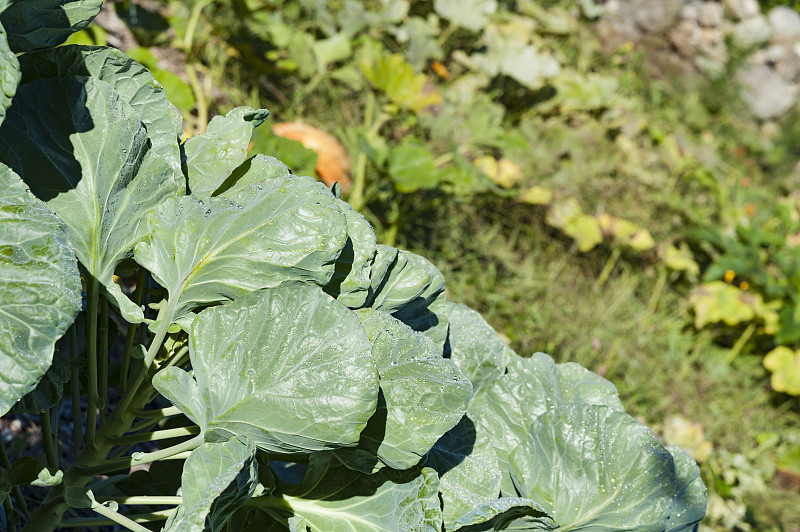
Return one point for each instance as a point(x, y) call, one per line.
point(293, 350)
point(81, 148)
point(40, 290)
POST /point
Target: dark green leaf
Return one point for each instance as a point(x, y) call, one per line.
point(217, 479)
point(9, 73)
point(33, 24)
point(411, 167)
point(130, 80)
point(84, 150)
point(689, 506)
point(40, 290)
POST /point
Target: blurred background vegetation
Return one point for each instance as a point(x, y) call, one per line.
point(598, 188)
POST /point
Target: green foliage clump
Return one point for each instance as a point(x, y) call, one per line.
point(297, 374)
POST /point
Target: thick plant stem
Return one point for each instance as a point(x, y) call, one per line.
point(157, 435)
point(117, 517)
point(103, 357)
point(103, 521)
point(75, 389)
point(131, 334)
point(144, 458)
point(92, 289)
point(6, 463)
point(92, 460)
point(47, 439)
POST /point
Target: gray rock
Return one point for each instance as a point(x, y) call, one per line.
point(686, 37)
point(690, 12)
point(751, 32)
point(711, 15)
point(787, 66)
point(785, 24)
point(652, 16)
point(743, 9)
point(767, 94)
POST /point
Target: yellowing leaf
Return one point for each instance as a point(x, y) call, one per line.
point(504, 172)
point(562, 212)
point(394, 76)
point(717, 301)
point(689, 436)
point(625, 232)
point(785, 367)
point(585, 231)
point(680, 259)
point(536, 196)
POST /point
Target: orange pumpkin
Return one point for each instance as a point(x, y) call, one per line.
point(333, 164)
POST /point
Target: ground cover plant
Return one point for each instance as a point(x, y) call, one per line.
point(296, 374)
point(620, 226)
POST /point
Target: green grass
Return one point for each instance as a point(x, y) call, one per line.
point(537, 290)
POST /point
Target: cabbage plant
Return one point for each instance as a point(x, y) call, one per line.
point(280, 370)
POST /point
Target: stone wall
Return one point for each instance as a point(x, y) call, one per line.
point(702, 35)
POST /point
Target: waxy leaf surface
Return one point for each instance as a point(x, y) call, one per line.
point(134, 84)
point(411, 289)
point(333, 498)
point(475, 346)
point(85, 151)
point(33, 24)
point(9, 73)
point(532, 387)
point(689, 506)
point(213, 155)
point(594, 468)
point(217, 479)
point(424, 394)
point(256, 170)
point(351, 280)
point(40, 289)
point(290, 368)
point(210, 250)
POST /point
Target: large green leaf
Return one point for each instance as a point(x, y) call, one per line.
point(9, 73)
point(217, 479)
point(209, 250)
point(134, 84)
point(50, 388)
point(333, 498)
point(689, 506)
point(40, 289)
point(412, 167)
point(256, 170)
point(33, 24)
point(594, 468)
point(531, 387)
point(213, 155)
point(475, 346)
point(85, 151)
point(411, 289)
point(351, 281)
point(424, 395)
point(290, 368)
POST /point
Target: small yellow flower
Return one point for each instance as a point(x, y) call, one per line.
point(744, 285)
point(729, 276)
